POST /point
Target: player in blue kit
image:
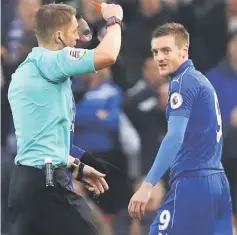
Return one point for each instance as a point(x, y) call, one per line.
point(199, 199)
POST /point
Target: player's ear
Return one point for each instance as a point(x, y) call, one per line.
point(185, 51)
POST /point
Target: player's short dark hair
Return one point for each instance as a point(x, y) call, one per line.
point(175, 29)
point(51, 16)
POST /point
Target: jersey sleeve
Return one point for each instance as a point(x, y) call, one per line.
point(57, 66)
point(182, 96)
point(169, 148)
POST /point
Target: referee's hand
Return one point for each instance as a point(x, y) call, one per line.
point(94, 179)
point(110, 10)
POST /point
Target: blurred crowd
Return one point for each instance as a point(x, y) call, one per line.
point(120, 111)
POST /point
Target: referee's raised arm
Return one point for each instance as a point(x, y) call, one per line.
point(107, 51)
point(63, 58)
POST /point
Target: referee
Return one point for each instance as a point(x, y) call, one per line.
point(40, 97)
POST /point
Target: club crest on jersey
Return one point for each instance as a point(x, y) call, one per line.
point(76, 54)
point(176, 100)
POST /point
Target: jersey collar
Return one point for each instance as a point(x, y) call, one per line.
point(182, 68)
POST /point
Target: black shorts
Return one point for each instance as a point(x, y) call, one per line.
point(37, 210)
point(7, 164)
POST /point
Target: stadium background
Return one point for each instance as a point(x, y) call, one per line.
point(131, 118)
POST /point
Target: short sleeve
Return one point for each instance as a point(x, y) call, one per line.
point(57, 66)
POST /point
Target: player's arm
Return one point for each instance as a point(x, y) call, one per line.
point(85, 117)
point(90, 160)
point(91, 118)
point(169, 148)
point(110, 121)
point(181, 102)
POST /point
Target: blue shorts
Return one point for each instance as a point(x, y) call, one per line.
point(198, 205)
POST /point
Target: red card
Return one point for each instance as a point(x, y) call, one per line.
point(97, 6)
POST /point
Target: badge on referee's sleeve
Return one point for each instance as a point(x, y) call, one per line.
point(176, 100)
point(76, 54)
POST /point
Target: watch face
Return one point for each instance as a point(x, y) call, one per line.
point(111, 20)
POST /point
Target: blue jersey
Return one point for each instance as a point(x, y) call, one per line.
point(191, 95)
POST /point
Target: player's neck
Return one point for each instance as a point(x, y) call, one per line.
point(184, 60)
point(179, 68)
point(95, 83)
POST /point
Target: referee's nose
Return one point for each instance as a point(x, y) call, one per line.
point(77, 37)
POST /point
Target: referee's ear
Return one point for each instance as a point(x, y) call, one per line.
point(58, 37)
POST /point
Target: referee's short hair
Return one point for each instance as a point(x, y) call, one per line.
point(179, 32)
point(50, 17)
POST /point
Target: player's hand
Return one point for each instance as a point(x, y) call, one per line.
point(4, 52)
point(137, 204)
point(102, 114)
point(109, 10)
point(94, 179)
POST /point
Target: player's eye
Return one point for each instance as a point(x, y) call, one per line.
point(154, 52)
point(87, 32)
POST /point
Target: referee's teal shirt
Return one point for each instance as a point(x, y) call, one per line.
point(40, 97)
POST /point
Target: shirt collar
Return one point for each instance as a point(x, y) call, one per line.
point(39, 49)
point(182, 68)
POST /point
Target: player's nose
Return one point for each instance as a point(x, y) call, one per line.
point(160, 61)
point(159, 58)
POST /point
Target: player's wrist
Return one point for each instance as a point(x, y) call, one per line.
point(88, 158)
point(147, 186)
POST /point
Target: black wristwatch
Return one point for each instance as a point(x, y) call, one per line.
point(80, 171)
point(113, 20)
point(75, 164)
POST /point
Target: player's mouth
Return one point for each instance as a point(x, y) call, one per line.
point(163, 66)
